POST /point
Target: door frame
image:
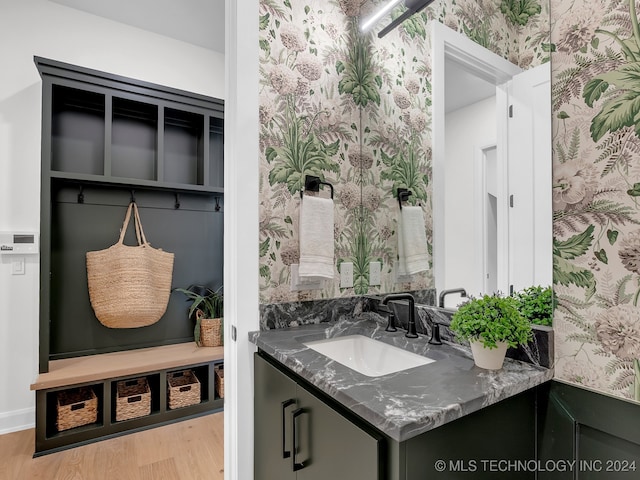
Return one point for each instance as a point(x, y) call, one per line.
point(241, 173)
point(450, 45)
point(480, 209)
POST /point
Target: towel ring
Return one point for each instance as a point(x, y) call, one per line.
point(312, 184)
point(403, 196)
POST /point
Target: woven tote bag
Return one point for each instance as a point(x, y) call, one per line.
point(129, 286)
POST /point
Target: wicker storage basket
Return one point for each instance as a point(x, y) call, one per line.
point(76, 407)
point(129, 286)
point(210, 332)
point(133, 399)
point(219, 373)
point(184, 389)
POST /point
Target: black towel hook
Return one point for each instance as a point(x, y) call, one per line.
point(217, 208)
point(177, 204)
point(81, 194)
point(312, 184)
point(403, 195)
point(133, 196)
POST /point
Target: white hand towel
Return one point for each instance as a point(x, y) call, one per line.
point(316, 238)
point(412, 241)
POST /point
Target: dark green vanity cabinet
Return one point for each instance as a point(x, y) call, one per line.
point(334, 443)
point(294, 427)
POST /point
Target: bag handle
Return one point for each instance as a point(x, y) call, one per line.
point(137, 224)
point(139, 230)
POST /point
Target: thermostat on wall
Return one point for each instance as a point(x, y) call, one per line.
point(19, 243)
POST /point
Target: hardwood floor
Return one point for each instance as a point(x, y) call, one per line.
point(189, 450)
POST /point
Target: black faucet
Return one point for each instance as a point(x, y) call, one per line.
point(411, 327)
point(444, 293)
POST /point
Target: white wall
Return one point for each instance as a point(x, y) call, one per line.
point(467, 129)
point(46, 29)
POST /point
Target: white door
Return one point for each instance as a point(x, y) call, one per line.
point(529, 171)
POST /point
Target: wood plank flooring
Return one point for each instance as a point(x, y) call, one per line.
point(189, 450)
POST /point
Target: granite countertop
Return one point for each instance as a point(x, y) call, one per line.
point(407, 403)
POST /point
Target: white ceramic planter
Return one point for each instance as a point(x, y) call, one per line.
point(488, 358)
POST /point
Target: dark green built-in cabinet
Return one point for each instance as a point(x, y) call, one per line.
point(300, 437)
point(108, 139)
point(551, 432)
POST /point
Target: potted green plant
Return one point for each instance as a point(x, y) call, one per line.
point(207, 307)
point(536, 305)
point(491, 324)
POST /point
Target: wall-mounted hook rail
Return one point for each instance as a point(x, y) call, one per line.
point(312, 184)
point(177, 204)
point(80, 194)
point(403, 196)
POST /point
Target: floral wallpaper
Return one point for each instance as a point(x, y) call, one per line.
point(355, 111)
point(596, 185)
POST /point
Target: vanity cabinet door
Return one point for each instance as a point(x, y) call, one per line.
point(274, 401)
point(299, 437)
point(330, 447)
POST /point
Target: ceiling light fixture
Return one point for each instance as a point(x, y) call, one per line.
point(413, 6)
point(371, 21)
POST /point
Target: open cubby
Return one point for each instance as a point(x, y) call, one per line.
point(77, 130)
point(183, 147)
point(216, 152)
point(52, 412)
point(153, 381)
point(202, 374)
point(107, 139)
point(134, 139)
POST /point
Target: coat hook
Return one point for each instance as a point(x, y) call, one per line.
point(217, 204)
point(133, 196)
point(81, 194)
point(177, 204)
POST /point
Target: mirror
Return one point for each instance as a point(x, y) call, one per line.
point(483, 179)
point(360, 112)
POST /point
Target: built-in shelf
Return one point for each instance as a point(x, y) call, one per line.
point(107, 140)
point(80, 178)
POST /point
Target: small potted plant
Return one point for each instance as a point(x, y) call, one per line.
point(491, 324)
point(536, 305)
point(207, 306)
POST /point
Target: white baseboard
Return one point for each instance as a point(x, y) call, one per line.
point(17, 420)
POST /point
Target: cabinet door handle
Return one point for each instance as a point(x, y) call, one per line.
point(285, 404)
point(295, 414)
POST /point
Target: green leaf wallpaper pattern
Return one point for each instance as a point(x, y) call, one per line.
point(355, 110)
point(596, 129)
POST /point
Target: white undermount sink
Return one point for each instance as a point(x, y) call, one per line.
point(367, 356)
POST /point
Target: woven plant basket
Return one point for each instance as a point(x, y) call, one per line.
point(184, 389)
point(219, 373)
point(210, 331)
point(76, 407)
point(133, 399)
point(129, 286)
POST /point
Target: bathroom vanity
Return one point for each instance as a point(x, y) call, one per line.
point(446, 419)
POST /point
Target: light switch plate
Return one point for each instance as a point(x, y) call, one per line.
point(17, 266)
point(346, 275)
point(375, 273)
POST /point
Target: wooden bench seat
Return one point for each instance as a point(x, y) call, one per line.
point(71, 371)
